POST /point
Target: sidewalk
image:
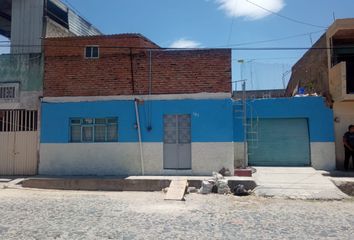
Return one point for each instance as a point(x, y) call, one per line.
point(283, 182)
point(295, 183)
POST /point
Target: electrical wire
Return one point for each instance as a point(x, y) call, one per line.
point(72, 7)
point(230, 31)
point(273, 40)
point(231, 27)
point(255, 59)
point(285, 17)
point(67, 23)
point(80, 15)
point(189, 49)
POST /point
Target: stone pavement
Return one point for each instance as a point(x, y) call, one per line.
point(49, 214)
point(295, 183)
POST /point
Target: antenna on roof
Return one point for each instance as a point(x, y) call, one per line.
point(334, 16)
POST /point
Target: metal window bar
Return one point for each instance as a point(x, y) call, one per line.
point(8, 92)
point(18, 120)
point(93, 123)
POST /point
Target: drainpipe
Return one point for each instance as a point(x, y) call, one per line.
point(245, 155)
point(139, 135)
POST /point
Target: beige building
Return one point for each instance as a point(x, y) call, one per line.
point(328, 69)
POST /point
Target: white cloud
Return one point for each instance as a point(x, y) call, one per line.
point(243, 8)
point(185, 43)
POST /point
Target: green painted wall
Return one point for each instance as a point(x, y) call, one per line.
point(24, 68)
point(280, 142)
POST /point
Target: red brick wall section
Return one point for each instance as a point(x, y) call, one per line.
point(124, 71)
point(311, 71)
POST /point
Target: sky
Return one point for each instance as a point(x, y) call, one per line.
point(224, 23)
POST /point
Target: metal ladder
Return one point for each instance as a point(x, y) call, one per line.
point(250, 124)
point(252, 131)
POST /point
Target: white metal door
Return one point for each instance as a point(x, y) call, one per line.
point(177, 142)
point(18, 142)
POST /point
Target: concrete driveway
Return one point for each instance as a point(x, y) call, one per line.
point(295, 183)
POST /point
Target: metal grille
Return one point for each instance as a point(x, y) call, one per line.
point(184, 126)
point(18, 142)
point(18, 121)
point(170, 128)
point(177, 129)
point(7, 92)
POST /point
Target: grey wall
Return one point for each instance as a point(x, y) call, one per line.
point(26, 26)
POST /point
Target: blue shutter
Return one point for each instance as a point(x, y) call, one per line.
point(281, 142)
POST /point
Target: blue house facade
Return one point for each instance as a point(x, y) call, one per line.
point(135, 108)
point(193, 136)
point(286, 132)
point(186, 136)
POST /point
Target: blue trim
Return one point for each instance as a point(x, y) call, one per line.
point(212, 120)
point(320, 117)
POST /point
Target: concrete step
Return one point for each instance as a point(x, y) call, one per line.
point(177, 190)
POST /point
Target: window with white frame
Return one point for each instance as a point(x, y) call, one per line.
point(9, 92)
point(88, 130)
point(92, 52)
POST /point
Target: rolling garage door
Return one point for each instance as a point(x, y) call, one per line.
point(280, 142)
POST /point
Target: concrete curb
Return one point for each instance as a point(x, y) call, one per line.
point(121, 184)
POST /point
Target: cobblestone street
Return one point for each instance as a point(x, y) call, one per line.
point(44, 214)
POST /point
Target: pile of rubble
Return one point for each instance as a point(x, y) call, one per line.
point(218, 184)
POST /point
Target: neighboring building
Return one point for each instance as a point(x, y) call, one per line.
point(26, 23)
point(121, 105)
point(328, 69)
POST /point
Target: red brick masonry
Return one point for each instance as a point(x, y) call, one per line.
point(123, 68)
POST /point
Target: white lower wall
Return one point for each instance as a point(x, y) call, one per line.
point(323, 155)
point(344, 115)
point(105, 159)
point(239, 155)
point(89, 159)
point(209, 157)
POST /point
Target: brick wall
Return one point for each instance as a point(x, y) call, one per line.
point(311, 71)
point(124, 71)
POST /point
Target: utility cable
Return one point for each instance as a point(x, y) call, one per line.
point(190, 49)
point(273, 40)
point(80, 15)
point(256, 59)
point(285, 17)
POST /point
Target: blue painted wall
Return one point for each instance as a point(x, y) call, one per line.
point(320, 117)
point(212, 120)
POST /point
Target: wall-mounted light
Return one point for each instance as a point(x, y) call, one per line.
point(337, 119)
